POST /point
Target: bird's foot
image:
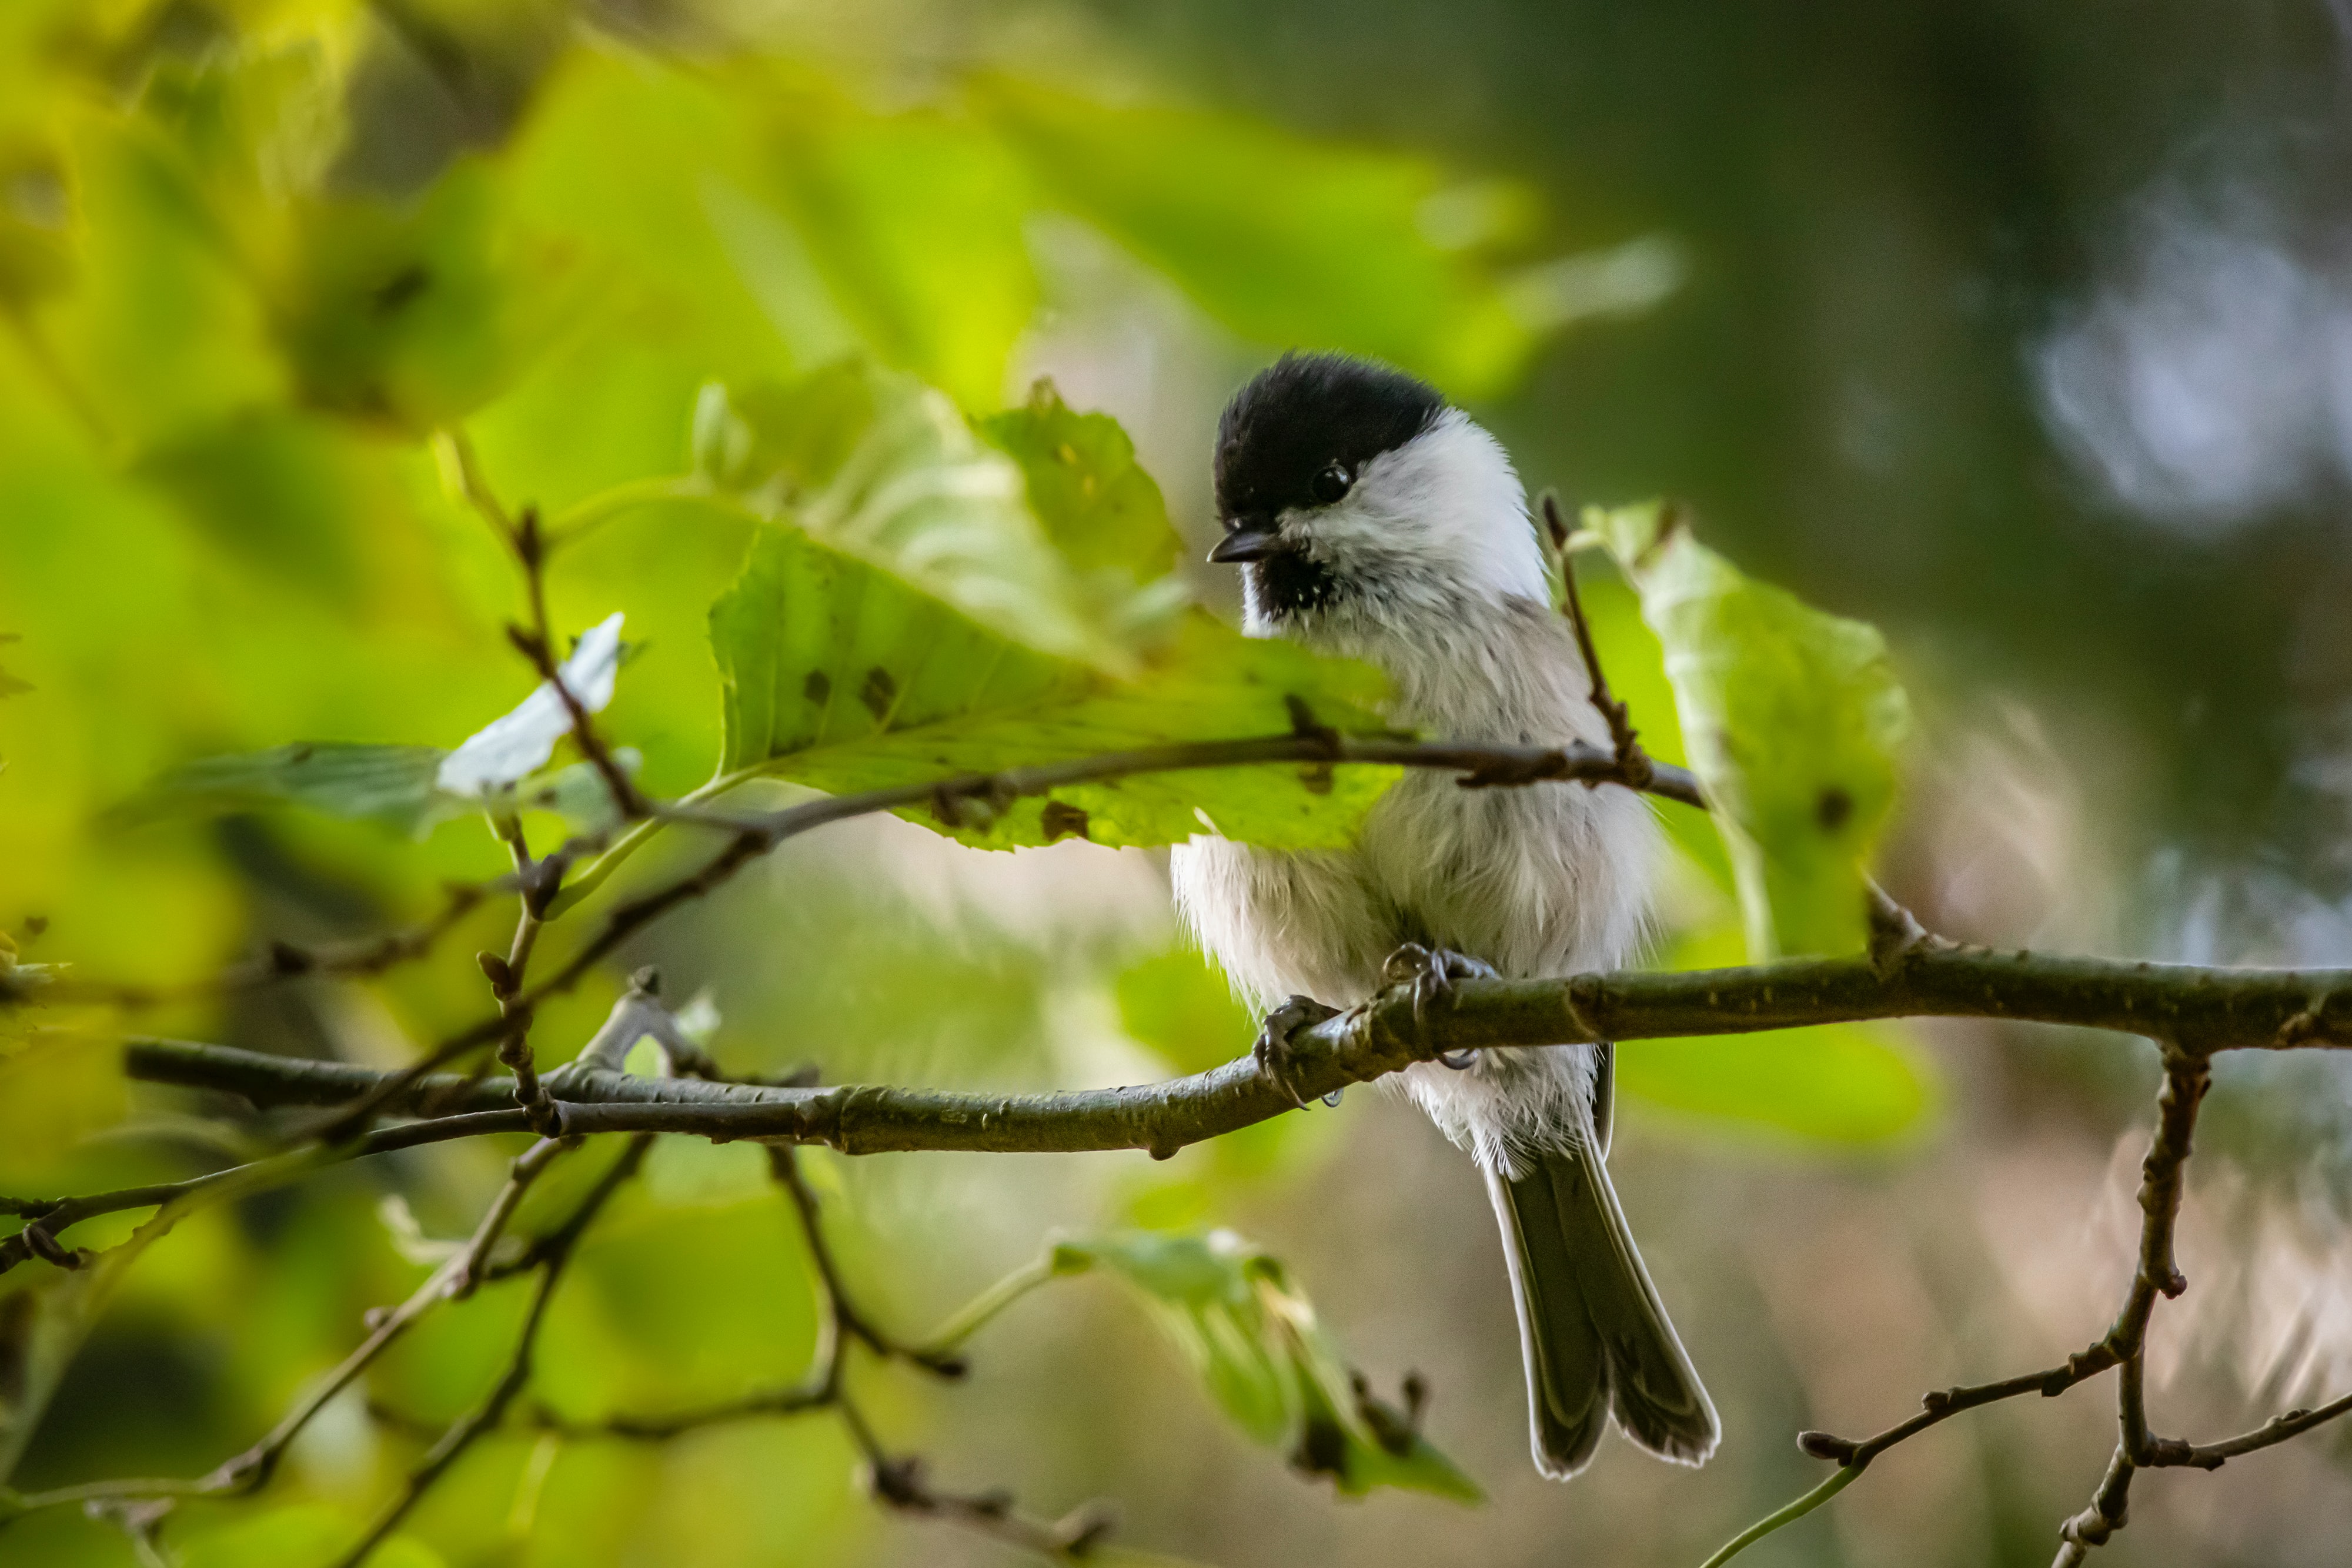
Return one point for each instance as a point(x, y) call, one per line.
point(1273, 1048)
point(1430, 972)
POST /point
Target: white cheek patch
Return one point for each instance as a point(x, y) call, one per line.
point(1445, 508)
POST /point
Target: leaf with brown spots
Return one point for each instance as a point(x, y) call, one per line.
point(842, 676)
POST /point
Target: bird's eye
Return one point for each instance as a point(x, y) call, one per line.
point(1331, 484)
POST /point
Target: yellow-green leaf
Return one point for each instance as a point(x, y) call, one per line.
point(1102, 511)
point(1252, 1335)
point(1791, 718)
point(884, 471)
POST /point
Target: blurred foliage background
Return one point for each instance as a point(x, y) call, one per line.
point(2024, 332)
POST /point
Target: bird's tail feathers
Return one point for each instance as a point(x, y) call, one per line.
point(1595, 1336)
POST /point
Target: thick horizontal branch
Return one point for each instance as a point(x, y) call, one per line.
point(2204, 1009)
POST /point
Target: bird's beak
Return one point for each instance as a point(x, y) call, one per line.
point(1245, 544)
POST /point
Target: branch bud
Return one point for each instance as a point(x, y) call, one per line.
point(495, 969)
point(1823, 1445)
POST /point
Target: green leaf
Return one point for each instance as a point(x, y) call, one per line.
point(1848, 1086)
point(1254, 1337)
point(413, 313)
point(1791, 718)
point(1636, 667)
point(884, 470)
point(917, 620)
point(1099, 506)
point(389, 784)
point(840, 676)
point(1283, 239)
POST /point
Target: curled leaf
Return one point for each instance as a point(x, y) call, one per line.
point(1255, 1340)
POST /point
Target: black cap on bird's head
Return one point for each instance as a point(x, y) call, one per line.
point(1291, 448)
point(1299, 435)
point(1351, 489)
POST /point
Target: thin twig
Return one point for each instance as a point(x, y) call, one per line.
point(1635, 767)
point(44, 1225)
point(1945, 1404)
point(2096, 1524)
point(251, 1470)
point(521, 532)
point(899, 1481)
point(551, 1253)
point(283, 961)
point(2278, 1430)
point(2187, 1077)
point(506, 977)
point(39, 1236)
point(537, 645)
point(1481, 767)
point(783, 1165)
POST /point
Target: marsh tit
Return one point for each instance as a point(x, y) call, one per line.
point(1372, 520)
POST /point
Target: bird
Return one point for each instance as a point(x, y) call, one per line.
point(1371, 518)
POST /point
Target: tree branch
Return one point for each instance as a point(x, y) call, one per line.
point(281, 961)
point(549, 1256)
point(2185, 1079)
point(1632, 762)
point(2234, 1008)
point(2278, 1430)
point(898, 1483)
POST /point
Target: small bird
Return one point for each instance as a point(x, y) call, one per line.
point(1372, 519)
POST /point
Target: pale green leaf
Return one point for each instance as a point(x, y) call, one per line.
point(389, 784)
point(1231, 1308)
point(1792, 718)
point(884, 470)
point(1099, 506)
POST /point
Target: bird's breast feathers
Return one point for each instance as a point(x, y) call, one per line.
point(1546, 879)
